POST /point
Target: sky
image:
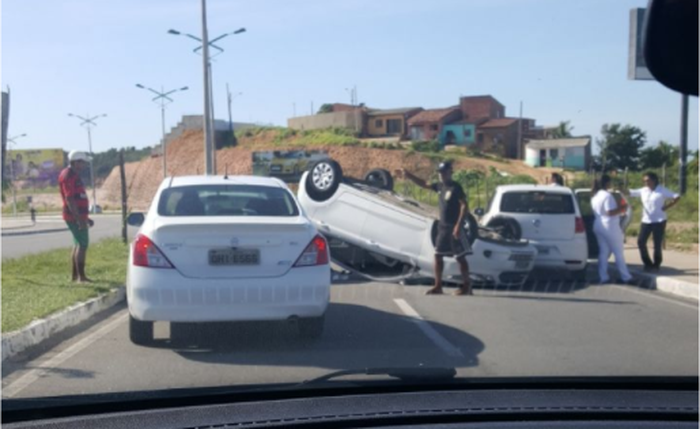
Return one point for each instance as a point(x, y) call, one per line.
point(564, 59)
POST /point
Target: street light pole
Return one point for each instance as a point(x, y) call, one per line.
point(163, 98)
point(230, 98)
point(12, 176)
point(89, 122)
point(209, 129)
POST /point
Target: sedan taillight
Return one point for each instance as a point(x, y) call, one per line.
point(316, 253)
point(147, 254)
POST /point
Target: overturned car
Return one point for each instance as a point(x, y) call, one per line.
point(383, 236)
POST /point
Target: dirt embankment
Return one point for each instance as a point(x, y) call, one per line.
point(185, 158)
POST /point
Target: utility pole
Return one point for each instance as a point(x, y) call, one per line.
point(89, 122)
point(208, 146)
point(520, 133)
point(683, 152)
point(230, 117)
point(12, 175)
point(162, 98)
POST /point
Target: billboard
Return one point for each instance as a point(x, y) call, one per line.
point(636, 65)
point(287, 165)
point(40, 167)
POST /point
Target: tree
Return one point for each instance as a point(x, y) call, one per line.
point(325, 108)
point(620, 146)
point(563, 130)
point(656, 157)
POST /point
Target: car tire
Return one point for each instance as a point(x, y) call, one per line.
point(509, 228)
point(311, 328)
point(471, 228)
point(323, 180)
point(380, 178)
point(140, 332)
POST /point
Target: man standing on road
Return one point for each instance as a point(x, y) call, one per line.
point(75, 211)
point(451, 240)
point(654, 206)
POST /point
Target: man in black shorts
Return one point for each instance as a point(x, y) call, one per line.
point(451, 239)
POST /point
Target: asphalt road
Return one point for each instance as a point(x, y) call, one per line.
point(550, 329)
point(20, 245)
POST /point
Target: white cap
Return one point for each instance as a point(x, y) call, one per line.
point(76, 155)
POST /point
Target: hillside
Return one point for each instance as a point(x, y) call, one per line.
point(185, 158)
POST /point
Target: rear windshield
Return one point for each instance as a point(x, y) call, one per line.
point(227, 200)
point(537, 202)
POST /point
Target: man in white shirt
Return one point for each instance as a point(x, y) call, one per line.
point(654, 208)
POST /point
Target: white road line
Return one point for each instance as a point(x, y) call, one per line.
point(428, 330)
point(656, 296)
point(43, 368)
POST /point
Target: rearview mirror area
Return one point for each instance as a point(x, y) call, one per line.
point(671, 43)
point(135, 219)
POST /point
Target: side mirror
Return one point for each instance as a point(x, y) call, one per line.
point(479, 212)
point(135, 219)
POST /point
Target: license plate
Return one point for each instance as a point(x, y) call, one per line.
point(234, 257)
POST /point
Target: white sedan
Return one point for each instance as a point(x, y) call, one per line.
point(213, 249)
point(383, 236)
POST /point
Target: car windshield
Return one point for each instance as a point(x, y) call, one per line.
point(241, 194)
point(537, 202)
point(226, 200)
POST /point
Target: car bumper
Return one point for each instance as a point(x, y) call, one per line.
point(497, 264)
point(568, 256)
point(165, 295)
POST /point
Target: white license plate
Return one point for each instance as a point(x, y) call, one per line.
point(234, 257)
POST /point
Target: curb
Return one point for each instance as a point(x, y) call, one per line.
point(41, 330)
point(43, 231)
point(668, 285)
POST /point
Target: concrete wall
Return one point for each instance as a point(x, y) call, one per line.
point(465, 134)
point(574, 158)
point(481, 107)
point(348, 119)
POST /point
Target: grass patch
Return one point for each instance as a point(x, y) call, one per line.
point(36, 286)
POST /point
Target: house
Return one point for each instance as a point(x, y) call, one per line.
point(499, 136)
point(572, 153)
point(460, 133)
point(481, 107)
point(390, 122)
point(428, 124)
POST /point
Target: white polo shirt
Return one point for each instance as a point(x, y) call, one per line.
point(602, 203)
point(653, 202)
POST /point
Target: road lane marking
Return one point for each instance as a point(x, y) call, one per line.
point(428, 330)
point(656, 295)
point(43, 368)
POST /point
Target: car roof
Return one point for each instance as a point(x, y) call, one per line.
point(541, 188)
point(224, 180)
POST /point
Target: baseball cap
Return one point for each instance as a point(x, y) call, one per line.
point(76, 155)
point(444, 166)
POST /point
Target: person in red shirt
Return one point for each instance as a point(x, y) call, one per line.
point(75, 210)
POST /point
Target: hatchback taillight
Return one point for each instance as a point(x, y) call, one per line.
point(147, 254)
point(580, 226)
point(316, 253)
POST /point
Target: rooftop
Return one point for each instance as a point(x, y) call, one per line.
point(432, 115)
point(559, 143)
point(220, 180)
point(499, 123)
point(397, 111)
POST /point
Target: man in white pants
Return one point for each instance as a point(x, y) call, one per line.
point(608, 231)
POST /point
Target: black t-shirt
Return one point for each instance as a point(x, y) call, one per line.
point(450, 195)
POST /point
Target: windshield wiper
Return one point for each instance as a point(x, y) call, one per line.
point(410, 374)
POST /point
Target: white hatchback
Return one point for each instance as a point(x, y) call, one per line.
point(550, 218)
point(213, 249)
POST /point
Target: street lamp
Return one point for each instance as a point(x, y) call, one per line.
point(209, 129)
point(163, 98)
point(12, 175)
point(89, 122)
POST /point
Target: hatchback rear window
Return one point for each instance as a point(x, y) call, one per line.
point(537, 202)
point(227, 200)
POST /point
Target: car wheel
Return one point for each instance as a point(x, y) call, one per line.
point(323, 180)
point(140, 332)
point(380, 178)
point(311, 328)
point(471, 228)
point(508, 227)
